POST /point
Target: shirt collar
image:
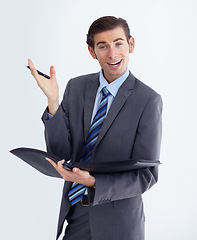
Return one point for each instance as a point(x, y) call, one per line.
point(114, 86)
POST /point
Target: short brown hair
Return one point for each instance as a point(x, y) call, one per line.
point(106, 23)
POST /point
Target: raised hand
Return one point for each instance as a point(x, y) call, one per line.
point(48, 86)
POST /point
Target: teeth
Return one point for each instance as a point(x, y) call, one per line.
point(115, 63)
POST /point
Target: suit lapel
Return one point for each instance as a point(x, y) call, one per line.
point(90, 96)
point(123, 94)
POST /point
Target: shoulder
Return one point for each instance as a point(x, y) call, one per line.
point(84, 78)
point(143, 94)
point(78, 85)
point(143, 90)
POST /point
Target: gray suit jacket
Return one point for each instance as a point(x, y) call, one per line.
point(132, 130)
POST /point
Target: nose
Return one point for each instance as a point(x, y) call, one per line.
point(112, 53)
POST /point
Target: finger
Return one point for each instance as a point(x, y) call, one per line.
point(76, 171)
point(52, 72)
point(30, 63)
point(32, 68)
point(52, 162)
point(60, 164)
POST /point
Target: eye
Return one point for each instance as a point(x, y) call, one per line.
point(119, 44)
point(102, 47)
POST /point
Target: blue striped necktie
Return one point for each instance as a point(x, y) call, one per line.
point(77, 190)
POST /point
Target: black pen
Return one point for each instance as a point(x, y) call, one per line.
point(40, 73)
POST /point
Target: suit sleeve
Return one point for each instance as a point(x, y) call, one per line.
point(111, 187)
point(57, 132)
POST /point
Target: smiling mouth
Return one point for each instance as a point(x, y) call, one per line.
point(116, 63)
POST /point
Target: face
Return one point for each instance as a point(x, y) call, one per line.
point(112, 50)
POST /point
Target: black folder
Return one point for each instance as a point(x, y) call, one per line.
point(36, 159)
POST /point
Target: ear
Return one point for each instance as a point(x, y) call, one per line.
point(92, 52)
point(131, 44)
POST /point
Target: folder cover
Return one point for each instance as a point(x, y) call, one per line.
point(36, 159)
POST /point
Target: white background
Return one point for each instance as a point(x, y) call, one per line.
point(54, 32)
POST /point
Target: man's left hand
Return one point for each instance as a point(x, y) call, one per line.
point(76, 175)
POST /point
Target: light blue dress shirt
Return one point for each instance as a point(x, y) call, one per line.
point(112, 87)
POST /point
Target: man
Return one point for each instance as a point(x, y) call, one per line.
point(130, 129)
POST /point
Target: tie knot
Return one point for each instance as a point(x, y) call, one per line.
point(105, 92)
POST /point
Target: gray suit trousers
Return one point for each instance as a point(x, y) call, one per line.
point(78, 227)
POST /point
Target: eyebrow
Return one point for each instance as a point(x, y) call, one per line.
point(117, 39)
